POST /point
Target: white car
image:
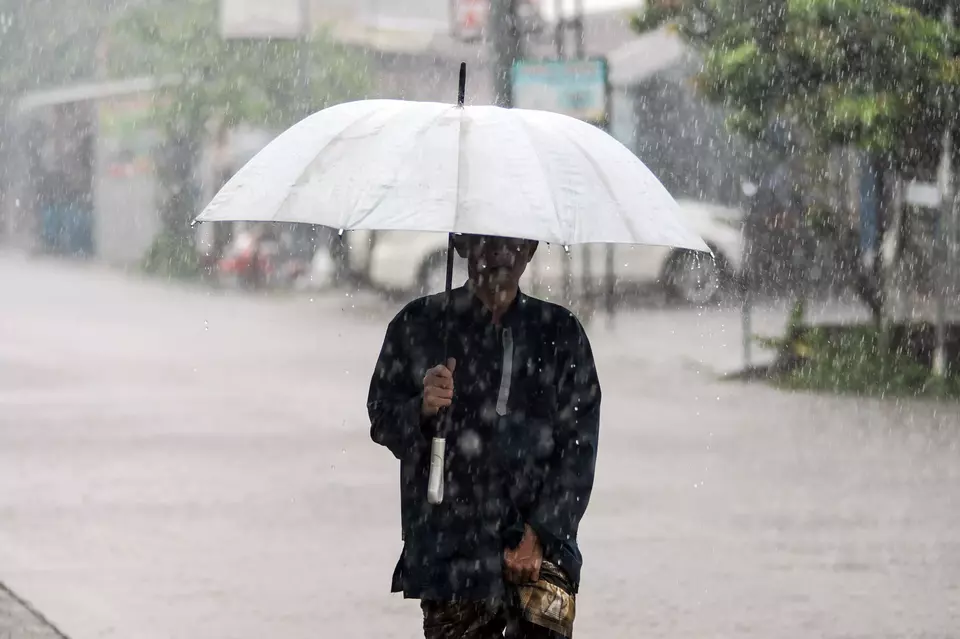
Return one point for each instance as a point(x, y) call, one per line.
point(416, 262)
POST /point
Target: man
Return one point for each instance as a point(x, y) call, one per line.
point(499, 554)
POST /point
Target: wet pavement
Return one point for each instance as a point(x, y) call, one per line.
point(176, 462)
point(19, 621)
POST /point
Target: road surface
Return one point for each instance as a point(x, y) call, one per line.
point(179, 463)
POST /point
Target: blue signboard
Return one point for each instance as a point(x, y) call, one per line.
point(577, 88)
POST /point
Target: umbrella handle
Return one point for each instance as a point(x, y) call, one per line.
point(435, 482)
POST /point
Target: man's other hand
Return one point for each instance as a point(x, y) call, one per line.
point(521, 565)
point(438, 388)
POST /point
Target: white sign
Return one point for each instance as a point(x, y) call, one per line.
point(577, 88)
point(568, 8)
point(469, 18)
point(262, 19)
point(923, 194)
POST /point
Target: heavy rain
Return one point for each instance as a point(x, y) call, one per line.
point(479, 318)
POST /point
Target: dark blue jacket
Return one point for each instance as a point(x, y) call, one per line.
point(521, 447)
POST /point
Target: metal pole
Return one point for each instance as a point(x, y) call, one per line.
point(586, 278)
point(611, 284)
point(746, 316)
point(305, 55)
point(747, 282)
point(610, 277)
point(507, 48)
point(560, 37)
point(946, 212)
point(578, 29)
point(559, 34)
point(336, 245)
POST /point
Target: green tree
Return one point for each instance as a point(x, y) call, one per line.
point(871, 73)
point(876, 75)
point(219, 83)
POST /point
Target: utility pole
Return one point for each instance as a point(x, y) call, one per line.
point(577, 25)
point(507, 47)
point(747, 281)
point(560, 40)
point(336, 246)
point(587, 294)
point(304, 57)
point(586, 276)
point(945, 226)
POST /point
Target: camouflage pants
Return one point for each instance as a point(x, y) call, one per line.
point(544, 610)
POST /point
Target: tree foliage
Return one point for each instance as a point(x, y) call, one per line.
point(215, 83)
point(874, 74)
point(258, 82)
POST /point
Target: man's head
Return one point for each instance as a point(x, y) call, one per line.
point(495, 264)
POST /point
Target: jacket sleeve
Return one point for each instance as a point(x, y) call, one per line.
point(568, 481)
point(394, 400)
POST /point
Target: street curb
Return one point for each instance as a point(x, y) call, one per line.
point(749, 374)
point(28, 621)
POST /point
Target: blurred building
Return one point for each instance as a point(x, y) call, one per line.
point(86, 185)
point(417, 47)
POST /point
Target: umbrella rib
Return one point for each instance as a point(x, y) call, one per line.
point(461, 134)
point(383, 196)
point(546, 179)
point(298, 182)
point(624, 217)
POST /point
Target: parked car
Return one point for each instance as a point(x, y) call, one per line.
point(416, 262)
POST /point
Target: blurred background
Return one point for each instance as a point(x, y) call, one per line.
point(181, 408)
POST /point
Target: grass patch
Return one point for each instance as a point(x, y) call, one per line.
point(172, 256)
point(853, 360)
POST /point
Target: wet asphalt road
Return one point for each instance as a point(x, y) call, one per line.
point(177, 463)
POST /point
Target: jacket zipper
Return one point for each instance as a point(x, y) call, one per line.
point(506, 372)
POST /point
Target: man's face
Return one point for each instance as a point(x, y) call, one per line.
point(495, 263)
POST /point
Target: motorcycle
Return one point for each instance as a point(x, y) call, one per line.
point(262, 257)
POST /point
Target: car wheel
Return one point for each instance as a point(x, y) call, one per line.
point(693, 277)
point(432, 277)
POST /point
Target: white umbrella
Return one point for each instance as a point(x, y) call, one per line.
point(424, 166)
point(485, 170)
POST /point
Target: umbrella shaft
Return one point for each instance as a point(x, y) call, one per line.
point(444, 420)
point(438, 445)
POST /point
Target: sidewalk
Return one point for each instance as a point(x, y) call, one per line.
point(19, 621)
point(708, 340)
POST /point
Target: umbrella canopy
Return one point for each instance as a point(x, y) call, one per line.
point(425, 166)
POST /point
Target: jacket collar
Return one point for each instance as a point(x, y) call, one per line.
point(468, 305)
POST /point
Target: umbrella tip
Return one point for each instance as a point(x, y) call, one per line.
point(462, 93)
